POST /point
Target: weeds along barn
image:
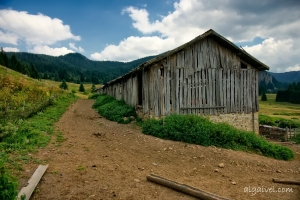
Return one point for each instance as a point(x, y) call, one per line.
point(207, 76)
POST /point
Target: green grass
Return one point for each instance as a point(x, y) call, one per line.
point(30, 134)
point(199, 130)
point(114, 110)
point(283, 110)
point(73, 87)
point(278, 121)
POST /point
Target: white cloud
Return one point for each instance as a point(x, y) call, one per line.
point(33, 29)
point(294, 68)
point(8, 38)
point(11, 49)
point(134, 47)
point(73, 46)
point(275, 53)
point(44, 49)
point(239, 21)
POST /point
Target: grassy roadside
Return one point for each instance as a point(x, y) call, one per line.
point(193, 129)
point(73, 87)
point(26, 137)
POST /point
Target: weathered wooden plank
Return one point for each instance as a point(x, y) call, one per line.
point(189, 93)
point(253, 87)
point(173, 82)
point(177, 96)
point(213, 102)
point(209, 78)
point(256, 95)
point(200, 84)
point(228, 99)
point(217, 89)
point(242, 91)
point(232, 90)
point(168, 93)
point(193, 92)
point(165, 90)
point(33, 182)
point(197, 91)
point(221, 89)
point(205, 88)
point(245, 91)
point(250, 99)
point(237, 92)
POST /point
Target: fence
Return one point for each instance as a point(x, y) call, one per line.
point(292, 132)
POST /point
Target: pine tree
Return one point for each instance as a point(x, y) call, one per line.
point(264, 97)
point(81, 88)
point(64, 85)
point(93, 88)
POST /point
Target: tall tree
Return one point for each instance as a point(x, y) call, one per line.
point(64, 85)
point(81, 88)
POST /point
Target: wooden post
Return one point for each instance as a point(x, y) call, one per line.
point(286, 181)
point(184, 188)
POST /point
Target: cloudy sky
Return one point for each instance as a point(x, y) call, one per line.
point(126, 30)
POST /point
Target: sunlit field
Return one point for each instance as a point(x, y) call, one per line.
point(279, 109)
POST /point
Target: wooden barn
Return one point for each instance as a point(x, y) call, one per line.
point(207, 76)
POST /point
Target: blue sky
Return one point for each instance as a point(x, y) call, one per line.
point(126, 30)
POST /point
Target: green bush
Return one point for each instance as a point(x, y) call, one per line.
point(199, 130)
point(8, 185)
point(115, 110)
point(63, 85)
point(296, 138)
point(7, 130)
point(81, 88)
point(264, 97)
point(277, 121)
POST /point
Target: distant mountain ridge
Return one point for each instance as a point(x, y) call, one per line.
point(287, 77)
point(75, 67)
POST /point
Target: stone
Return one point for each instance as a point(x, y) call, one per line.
point(216, 170)
point(233, 183)
point(221, 165)
point(278, 171)
point(136, 180)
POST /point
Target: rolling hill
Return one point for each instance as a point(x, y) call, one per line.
point(75, 67)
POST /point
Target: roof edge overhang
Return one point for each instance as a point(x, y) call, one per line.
point(209, 34)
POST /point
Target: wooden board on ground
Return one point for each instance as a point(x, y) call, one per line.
point(32, 183)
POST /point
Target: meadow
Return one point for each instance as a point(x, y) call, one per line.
point(284, 110)
point(73, 87)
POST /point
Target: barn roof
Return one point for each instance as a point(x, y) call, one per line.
point(209, 34)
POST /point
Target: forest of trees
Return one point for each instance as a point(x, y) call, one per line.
point(76, 68)
point(292, 94)
point(15, 64)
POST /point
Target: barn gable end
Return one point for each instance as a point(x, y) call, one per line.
point(207, 76)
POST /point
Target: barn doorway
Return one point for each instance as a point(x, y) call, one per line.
point(140, 88)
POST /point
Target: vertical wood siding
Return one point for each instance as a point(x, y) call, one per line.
point(204, 79)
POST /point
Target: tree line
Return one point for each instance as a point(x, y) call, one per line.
point(76, 68)
point(14, 64)
point(292, 94)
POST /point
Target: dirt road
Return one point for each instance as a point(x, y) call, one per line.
point(100, 159)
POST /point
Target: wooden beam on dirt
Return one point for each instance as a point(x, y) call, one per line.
point(286, 181)
point(32, 183)
point(184, 188)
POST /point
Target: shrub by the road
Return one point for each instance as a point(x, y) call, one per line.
point(114, 110)
point(199, 130)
